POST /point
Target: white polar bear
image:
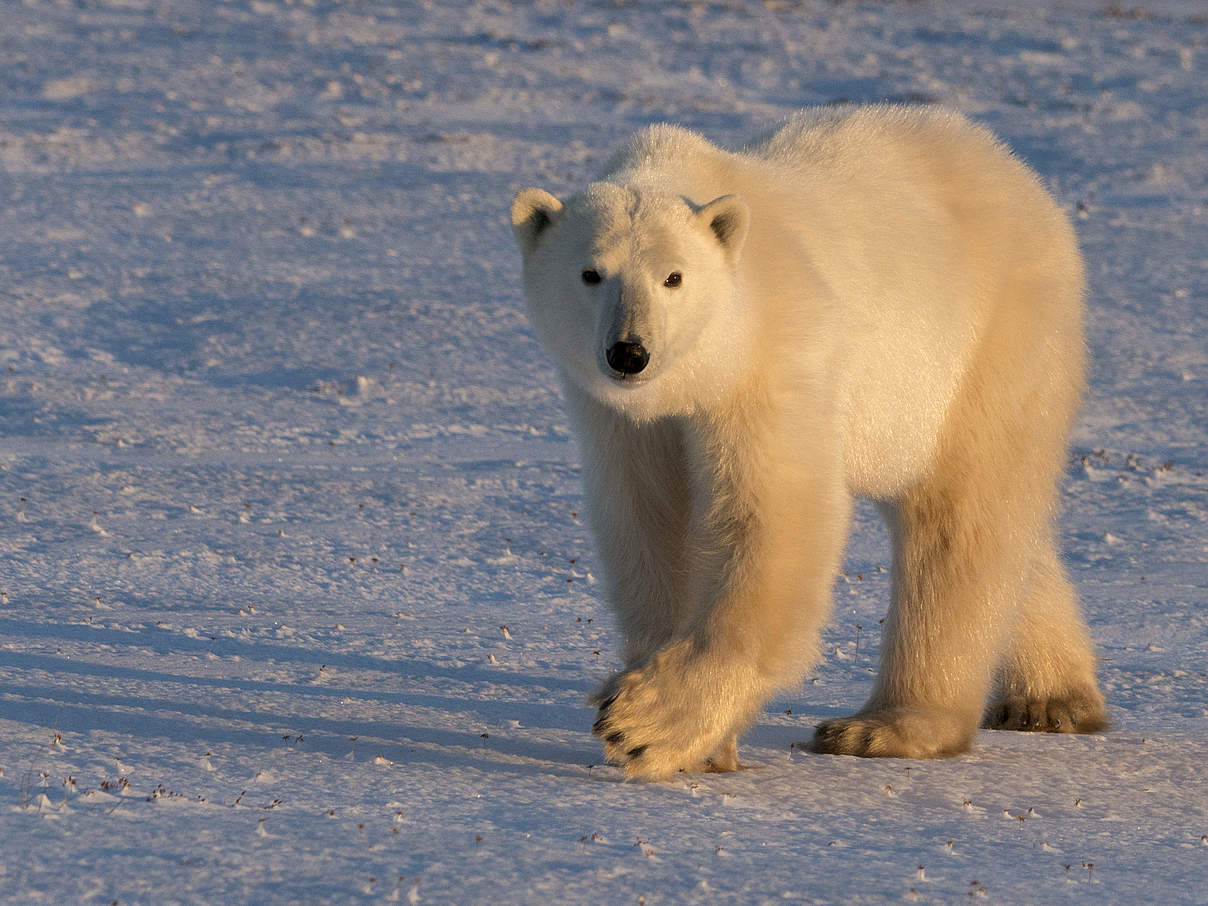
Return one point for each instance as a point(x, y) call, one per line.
point(875, 301)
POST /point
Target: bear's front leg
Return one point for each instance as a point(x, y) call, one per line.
point(639, 505)
point(975, 577)
point(768, 527)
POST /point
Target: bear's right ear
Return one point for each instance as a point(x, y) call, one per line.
point(533, 211)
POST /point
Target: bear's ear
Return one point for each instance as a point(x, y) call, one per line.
point(533, 210)
point(728, 218)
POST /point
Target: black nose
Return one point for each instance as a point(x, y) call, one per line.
point(627, 358)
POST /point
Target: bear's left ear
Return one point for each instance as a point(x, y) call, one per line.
point(533, 210)
point(728, 217)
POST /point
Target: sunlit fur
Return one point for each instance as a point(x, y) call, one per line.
point(879, 302)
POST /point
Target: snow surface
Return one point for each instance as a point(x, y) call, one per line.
point(296, 604)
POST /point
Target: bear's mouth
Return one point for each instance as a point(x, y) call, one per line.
point(629, 380)
point(625, 379)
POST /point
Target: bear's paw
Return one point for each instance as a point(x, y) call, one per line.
point(657, 721)
point(894, 733)
point(1073, 712)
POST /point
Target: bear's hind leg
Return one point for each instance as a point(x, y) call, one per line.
point(1047, 682)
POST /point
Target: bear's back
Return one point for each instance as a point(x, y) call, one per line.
point(672, 160)
point(825, 134)
point(890, 150)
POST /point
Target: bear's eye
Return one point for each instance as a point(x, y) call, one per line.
point(591, 277)
point(674, 279)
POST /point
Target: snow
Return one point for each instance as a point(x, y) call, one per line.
point(296, 604)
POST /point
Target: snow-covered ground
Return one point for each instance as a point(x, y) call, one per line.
point(296, 604)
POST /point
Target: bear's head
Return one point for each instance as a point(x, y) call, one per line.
point(635, 292)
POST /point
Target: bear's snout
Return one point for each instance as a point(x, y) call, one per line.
point(626, 357)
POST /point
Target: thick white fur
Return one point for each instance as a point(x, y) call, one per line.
point(875, 301)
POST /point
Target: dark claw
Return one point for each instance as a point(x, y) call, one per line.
point(636, 752)
point(823, 734)
point(614, 739)
point(607, 703)
point(598, 726)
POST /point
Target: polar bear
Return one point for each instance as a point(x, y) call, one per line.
point(872, 301)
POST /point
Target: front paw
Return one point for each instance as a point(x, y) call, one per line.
point(895, 733)
point(1073, 712)
point(654, 722)
point(634, 735)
